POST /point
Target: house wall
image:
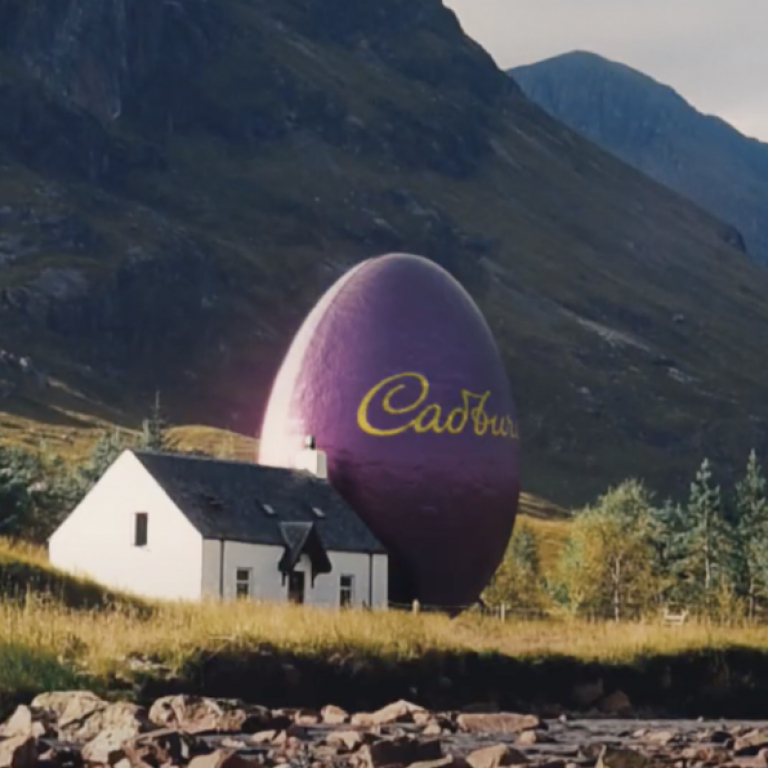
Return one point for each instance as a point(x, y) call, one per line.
point(267, 582)
point(97, 539)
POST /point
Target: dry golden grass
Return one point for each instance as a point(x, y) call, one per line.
point(176, 631)
point(49, 639)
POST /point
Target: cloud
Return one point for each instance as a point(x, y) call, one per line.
point(712, 52)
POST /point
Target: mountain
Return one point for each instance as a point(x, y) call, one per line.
point(651, 127)
point(181, 181)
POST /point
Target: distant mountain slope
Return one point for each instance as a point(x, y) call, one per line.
point(181, 181)
point(651, 127)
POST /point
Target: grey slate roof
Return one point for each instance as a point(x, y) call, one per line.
point(225, 500)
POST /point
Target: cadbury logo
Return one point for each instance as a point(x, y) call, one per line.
point(428, 417)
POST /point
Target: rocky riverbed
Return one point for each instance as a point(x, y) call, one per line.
point(77, 728)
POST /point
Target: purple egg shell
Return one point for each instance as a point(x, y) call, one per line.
point(443, 501)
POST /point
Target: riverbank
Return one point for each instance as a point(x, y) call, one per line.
point(293, 656)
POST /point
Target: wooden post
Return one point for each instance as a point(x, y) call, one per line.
point(503, 612)
point(416, 606)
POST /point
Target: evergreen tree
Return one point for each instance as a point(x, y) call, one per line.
point(751, 508)
point(103, 453)
point(666, 526)
point(154, 429)
point(706, 537)
point(15, 499)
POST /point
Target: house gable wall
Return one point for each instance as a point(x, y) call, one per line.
point(97, 539)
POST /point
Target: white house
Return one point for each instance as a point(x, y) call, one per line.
point(187, 527)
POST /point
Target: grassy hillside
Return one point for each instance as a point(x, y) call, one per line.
point(180, 183)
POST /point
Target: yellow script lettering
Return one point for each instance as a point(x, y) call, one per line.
point(426, 417)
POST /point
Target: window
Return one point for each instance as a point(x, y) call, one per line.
point(243, 582)
point(140, 529)
point(318, 512)
point(296, 587)
point(346, 589)
point(269, 509)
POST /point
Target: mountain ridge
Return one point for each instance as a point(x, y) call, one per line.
point(651, 126)
point(180, 184)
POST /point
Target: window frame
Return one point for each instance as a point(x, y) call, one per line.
point(347, 590)
point(248, 582)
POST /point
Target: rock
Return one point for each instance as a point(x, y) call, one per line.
point(400, 751)
point(450, 761)
point(750, 743)
point(223, 758)
point(196, 714)
point(18, 752)
point(333, 715)
point(398, 712)
point(22, 723)
point(107, 748)
point(349, 740)
point(534, 737)
point(495, 757)
point(68, 705)
point(615, 703)
point(306, 717)
point(81, 715)
point(612, 757)
point(719, 737)
point(164, 747)
point(499, 722)
point(264, 737)
point(662, 737)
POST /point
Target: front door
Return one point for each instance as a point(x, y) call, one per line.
point(296, 587)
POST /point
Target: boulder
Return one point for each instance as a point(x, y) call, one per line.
point(197, 714)
point(81, 715)
point(497, 722)
point(348, 740)
point(400, 751)
point(614, 757)
point(496, 756)
point(107, 747)
point(23, 722)
point(18, 752)
point(333, 715)
point(224, 758)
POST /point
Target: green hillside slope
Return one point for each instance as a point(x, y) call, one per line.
point(180, 182)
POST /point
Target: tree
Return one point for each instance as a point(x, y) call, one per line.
point(706, 537)
point(751, 508)
point(518, 579)
point(104, 451)
point(154, 435)
point(607, 566)
point(15, 500)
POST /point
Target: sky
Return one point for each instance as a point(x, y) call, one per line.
point(712, 52)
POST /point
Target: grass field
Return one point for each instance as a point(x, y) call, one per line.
point(60, 632)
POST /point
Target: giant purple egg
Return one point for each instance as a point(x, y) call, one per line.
point(397, 376)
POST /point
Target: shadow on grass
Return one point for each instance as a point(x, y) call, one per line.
point(20, 579)
point(713, 683)
point(26, 671)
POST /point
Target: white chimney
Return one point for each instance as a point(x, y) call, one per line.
point(312, 460)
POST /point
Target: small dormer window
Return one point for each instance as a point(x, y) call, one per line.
point(318, 512)
point(141, 529)
point(269, 509)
